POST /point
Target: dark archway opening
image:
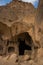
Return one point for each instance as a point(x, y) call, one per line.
point(10, 49)
point(23, 46)
point(22, 43)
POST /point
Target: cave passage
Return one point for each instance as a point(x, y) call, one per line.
point(23, 46)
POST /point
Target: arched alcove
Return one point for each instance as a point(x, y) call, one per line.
point(25, 42)
point(11, 49)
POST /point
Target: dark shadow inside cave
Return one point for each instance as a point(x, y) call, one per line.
point(22, 43)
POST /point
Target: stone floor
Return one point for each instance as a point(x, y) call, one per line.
point(13, 59)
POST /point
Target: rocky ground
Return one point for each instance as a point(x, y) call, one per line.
point(23, 60)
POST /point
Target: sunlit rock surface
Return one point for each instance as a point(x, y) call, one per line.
point(21, 26)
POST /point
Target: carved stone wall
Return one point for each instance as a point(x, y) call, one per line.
point(20, 20)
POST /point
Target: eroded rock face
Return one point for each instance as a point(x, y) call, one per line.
point(21, 23)
point(39, 21)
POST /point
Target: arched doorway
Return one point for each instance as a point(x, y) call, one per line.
point(25, 42)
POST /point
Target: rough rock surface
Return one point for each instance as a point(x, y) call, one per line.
point(21, 23)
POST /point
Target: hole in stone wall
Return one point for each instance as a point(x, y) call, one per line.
point(1, 48)
point(7, 42)
point(10, 20)
point(10, 49)
point(23, 45)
